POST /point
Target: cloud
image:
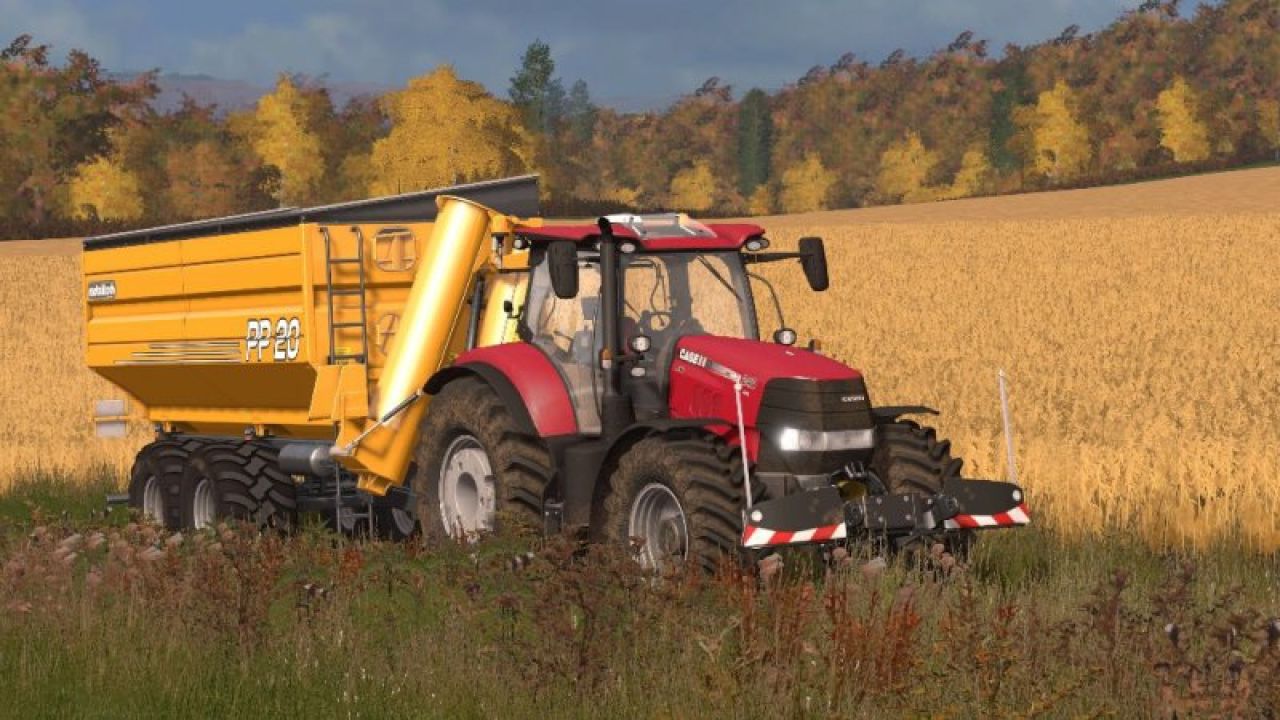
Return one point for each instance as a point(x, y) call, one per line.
point(637, 54)
point(59, 23)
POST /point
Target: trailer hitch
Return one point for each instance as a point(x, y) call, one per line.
point(822, 515)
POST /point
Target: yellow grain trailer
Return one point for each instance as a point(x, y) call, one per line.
point(257, 344)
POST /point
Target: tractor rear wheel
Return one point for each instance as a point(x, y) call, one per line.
point(156, 479)
point(673, 500)
point(909, 458)
point(476, 470)
point(237, 481)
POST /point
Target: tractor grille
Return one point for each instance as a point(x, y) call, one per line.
point(816, 404)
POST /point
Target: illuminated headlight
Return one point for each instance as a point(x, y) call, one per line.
point(793, 440)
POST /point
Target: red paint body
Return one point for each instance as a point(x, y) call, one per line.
point(698, 391)
point(537, 381)
point(728, 236)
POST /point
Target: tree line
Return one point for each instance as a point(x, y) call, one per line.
point(1156, 92)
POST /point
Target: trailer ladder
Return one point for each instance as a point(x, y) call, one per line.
point(336, 354)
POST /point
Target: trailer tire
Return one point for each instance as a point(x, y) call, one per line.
point(395, 524)
point(475, 466)
point(155, 481)
point(237, 481)
point(688, 490)
point(909, 458)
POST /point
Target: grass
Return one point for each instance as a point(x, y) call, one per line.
point(109, 618)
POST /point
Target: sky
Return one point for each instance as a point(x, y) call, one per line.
point(632, 54)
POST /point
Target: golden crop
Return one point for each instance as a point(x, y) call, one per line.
point(1143, 351)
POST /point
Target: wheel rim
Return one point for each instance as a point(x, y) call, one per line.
point(203, 507)
point(467, 490)
point(405, 521)
point(153, 500)
point(659, 520)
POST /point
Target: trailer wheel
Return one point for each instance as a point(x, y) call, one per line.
point(673, 500)
point(156, 478)
point(476, 469)
point(393, 523)
point(240, 481)
point(909, 458)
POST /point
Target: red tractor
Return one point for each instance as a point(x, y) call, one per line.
point(642, 405)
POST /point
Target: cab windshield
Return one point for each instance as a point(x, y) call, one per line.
point(665, 297)
point(669, 295)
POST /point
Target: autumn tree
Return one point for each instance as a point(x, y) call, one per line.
point(281, 137)
point(1181, 131)
point(805, 186)
point(973, 176)
point(446, 130)
point(102, 189)
point(694, 188)
point(1059, 142)
point(204, 181)
point(53, 121)
point(1269, 124)
point(905, 167)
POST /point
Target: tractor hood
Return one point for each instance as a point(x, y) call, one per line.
point(784, 389)
point(758, 362)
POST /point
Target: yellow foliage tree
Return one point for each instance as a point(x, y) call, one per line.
point(972, 177)
point(446, 130)
point(805, 186)
point(761, 200)
point(904, 170)
point(103, 188)
point(694, 188)
point(1059, 142)
point(1269, 122)
point(202, 181)
point(1180, 130)
point(281, 138)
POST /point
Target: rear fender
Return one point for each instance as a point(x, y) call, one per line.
point(525, 381)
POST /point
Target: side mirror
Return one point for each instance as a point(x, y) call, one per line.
point(562, 262)
point(813, 257)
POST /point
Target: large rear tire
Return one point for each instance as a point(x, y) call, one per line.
point(476, 471)
point(909, 458)
point(237, 481)
point(155, 481)
point(673, 500)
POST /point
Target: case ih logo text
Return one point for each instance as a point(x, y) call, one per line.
point(693, 358)
point(100, 290)
point(853, 398)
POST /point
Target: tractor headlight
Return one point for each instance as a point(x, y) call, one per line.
point(795, 440)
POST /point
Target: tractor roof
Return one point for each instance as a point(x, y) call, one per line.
point(654, 232)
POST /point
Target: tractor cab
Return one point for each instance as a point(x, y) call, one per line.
point(673, 278)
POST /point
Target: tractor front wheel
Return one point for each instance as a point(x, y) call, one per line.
point(674, 500)
point(909, 458)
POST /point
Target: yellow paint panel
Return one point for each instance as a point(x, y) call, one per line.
point(134, 257)
point(240, 246)
point(246, 277)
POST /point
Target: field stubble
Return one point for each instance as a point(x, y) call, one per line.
point(1142, 353)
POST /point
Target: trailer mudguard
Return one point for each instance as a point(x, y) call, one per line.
point(525, 380)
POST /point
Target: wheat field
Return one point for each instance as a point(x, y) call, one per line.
point(1138, 326)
